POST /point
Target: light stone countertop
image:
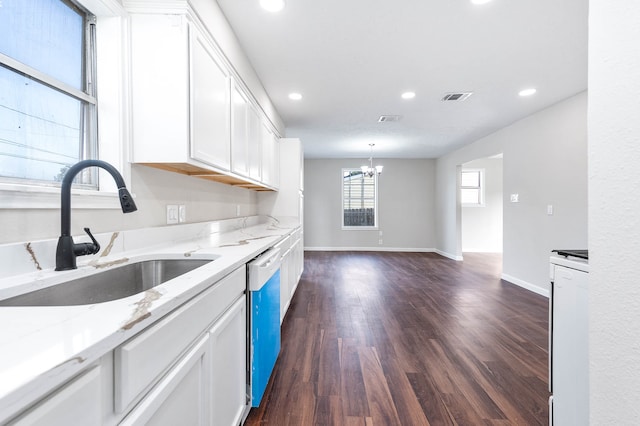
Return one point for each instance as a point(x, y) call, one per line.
point(42, 347)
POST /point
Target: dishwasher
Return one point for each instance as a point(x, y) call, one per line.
point(263, 322)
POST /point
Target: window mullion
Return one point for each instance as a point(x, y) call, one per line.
point(45, 79)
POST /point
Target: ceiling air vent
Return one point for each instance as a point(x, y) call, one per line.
point(458, 96)
point(386, 118)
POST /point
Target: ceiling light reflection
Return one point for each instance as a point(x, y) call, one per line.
point(272, 5)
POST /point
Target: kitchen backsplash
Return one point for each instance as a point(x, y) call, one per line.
point(34, 256)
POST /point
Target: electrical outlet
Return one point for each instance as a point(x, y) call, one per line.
point(380, 241)
point(515, 198)
point(237, 210)
point(550, 210)
point(172, 214)
point(182, 213)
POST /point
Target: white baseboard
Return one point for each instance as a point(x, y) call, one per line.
point(449, 255)
point(396, 249)
point(524, 284)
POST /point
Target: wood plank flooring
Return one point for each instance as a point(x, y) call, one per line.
point(408, 339)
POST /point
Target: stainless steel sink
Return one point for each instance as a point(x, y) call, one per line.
point(111, 284)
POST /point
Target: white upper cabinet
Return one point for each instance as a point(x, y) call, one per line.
point(160, 88)
point(288, 201)
point(240, 132)
point(270, 157)
point(181, 94)
point(255, 144)
point(210, 105)
point(191, 111)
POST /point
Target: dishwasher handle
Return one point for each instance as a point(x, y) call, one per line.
point(266, 259)
point(263, 268)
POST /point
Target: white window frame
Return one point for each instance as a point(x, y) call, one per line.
point(375, 202)
point(481, 187)
point(113, 96)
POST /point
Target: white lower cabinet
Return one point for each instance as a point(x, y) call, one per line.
point(285, 274)
point(290, 268)
point(189, 368)
point(205, 386)
point(78, 402)
point(297, 262)
point(181, 397)
point(228, 366)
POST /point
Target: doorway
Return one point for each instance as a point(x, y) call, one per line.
point(481, 198)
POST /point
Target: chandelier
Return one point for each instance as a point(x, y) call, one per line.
point(369, 170)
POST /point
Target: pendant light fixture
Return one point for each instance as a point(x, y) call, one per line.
point(369, 170)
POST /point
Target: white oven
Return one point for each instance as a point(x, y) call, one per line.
point(569, 340)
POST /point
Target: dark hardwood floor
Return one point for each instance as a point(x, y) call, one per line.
point(408, 339)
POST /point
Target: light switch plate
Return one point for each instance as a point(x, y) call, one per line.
point(515, 198)
point(549, 209)
point(172, 214)
point(182, 213)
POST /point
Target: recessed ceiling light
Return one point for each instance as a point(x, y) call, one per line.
point(527, 92)
point(408, 95)
point(272, 5)
point(480, 1)
point(295, 96)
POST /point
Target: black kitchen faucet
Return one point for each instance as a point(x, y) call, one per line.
point(67, 250)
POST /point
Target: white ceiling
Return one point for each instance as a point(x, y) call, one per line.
point(352, 59)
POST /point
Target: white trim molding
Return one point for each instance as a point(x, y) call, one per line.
point(526, 285)
point(449, 255)
point(388, 249)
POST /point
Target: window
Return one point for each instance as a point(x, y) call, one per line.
point(48, 117)
point(359, 199)
point(472, 187)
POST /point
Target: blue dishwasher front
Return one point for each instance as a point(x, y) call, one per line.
point(264, 321)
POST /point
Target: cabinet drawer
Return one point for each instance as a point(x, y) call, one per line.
point(140, 362)
point(284, 245)
point(78, 402)
point(295, 236)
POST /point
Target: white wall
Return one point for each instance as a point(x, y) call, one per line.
point(406, 208)
point(545, 162)
point(153, 190)
point(614, 218)
point(482, 225)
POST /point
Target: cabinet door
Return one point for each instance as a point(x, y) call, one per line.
point(210, 105)
point(270, 161)
point(285, 276)
point(240, 132)
point(297, 263)
point(180, 398)
point(159, 88)
point(228, 362)
point(78, 402)
point(275, 160)
point(255, 143)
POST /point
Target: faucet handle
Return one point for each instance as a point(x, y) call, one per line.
point(83, 249)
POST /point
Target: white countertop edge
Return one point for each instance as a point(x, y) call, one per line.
point(24, 378)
